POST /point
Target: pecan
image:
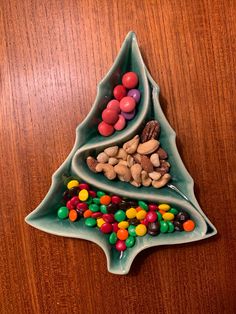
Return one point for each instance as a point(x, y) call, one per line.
point(164, 167)
point(91, 163)
point(146, 164)
point(162, 153)
point(150, 131)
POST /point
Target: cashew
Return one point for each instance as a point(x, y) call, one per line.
point(123, 162)
point(107, 169)
point(136, 170)
point(111, 151)
point(134, 183)
point(131, 146)
point(163, 181)
point(148, 147)
point(155, 160)
point(112, 161)
point(146, 181)
point(102, 158)
point(121, 154)
point(130, 161)
point(137, 158)
point(154, 175)
point(123, 172)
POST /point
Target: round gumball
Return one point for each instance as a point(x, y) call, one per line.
point(135, 93)
point(114, 105)
point(127, 104)
point(130, 80)
point(120, 124)
point(105, 129)
point(110, 116)
point(128, 115)
point(119, 92)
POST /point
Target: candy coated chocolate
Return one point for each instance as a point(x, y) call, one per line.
point(120, 124)
point(128, 115)
point(182, 216)
point(127, 104)
point(135, 93)
point(114, 105)
point(119, 92)
point(130, 80)
point(105, 129)
point(110, 116)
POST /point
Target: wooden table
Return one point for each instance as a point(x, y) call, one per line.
point(53, 54)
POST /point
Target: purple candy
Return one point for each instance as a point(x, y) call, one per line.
point(135, 93)
point(128, 115)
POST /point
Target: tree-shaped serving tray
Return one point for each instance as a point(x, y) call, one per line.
point(179, 192)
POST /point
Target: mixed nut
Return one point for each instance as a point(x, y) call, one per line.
point(141, 161)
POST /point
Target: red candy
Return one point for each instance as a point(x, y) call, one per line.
point(151, 216)
point(120, 124)
point(144, 221)
point(84, 186)
point(106, 228)
point(127, 104)
point(116, 199)
point(130, 80)
point(82, 206)
point(74, 201)
point(110, 116)
point(93, 194)
point(119, 92)
point(114, 105)
point(108, 218)
point(96, 215)
point(105, 129)
point(120, 245)
point(69, 205)
point(115, 227)
point(152, 207)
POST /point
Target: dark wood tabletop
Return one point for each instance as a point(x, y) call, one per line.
point(52, 56)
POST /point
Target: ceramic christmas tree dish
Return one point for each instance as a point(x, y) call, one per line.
point(124, 185)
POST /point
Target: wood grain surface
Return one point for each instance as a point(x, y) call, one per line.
point(52, 55)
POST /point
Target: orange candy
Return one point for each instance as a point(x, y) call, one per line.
point(87, 213)
point(73, 215)
point(161, 211)
point(138, 209)
point(105, 200)
point(189, 225)
point(122, 234)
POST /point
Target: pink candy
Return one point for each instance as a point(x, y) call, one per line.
point(127, 104)
point(120, 124)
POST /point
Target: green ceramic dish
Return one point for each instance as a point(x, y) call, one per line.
point(88, 142)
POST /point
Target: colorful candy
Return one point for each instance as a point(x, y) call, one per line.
point(123, 220)
point(122, 108)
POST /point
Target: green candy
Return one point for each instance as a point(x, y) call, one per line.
point(164, 226)
point(89, 200)
point(96, 200)
point(103, 209)
point(112, 238)
point(130, 241)
point(143, 205)
point(120, 215)
point(171, 227)
point(173, 211)
point(159, 216)
point(100, 193)
point(132, 231)
point(63, 212)
point(94, 208)
point(90, 222)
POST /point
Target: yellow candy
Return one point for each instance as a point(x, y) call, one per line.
point(83, 195)
point(141, 230)
point(123, 225)
point(168, 216)
point(100, 222)
point(164, 207)
point(72, 184)
point(131, 213)
point(141, 214)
